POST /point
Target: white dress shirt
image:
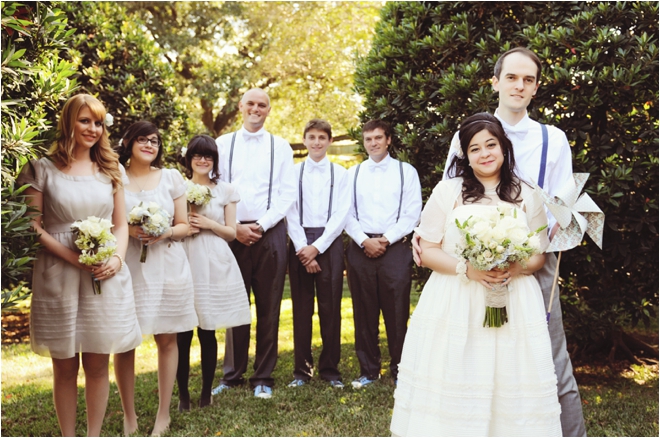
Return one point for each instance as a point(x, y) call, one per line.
point(250, 173)
point(527, 140)
point(316, 200)
point(378, 193)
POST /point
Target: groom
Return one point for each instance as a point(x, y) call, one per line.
point(516, 79)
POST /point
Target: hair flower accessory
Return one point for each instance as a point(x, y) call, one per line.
point(456, 145)
point(183, 151)
point(109, 120)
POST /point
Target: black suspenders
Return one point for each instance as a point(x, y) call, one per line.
point(357, 170)
point(300, 191)
point(272, 163)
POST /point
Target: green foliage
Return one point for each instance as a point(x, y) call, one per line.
point(36, 80)
point(430, 66)
point(126, 70)
point(301, 52)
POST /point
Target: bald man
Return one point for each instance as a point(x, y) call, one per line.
point(261, 166)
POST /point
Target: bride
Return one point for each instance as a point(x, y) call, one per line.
point(457, 377)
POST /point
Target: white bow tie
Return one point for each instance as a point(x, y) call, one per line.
point(313, 166)
point(255, 136)
point(518, 131)
point(381, 165)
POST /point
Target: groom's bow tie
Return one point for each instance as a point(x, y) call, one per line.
point(518, 131)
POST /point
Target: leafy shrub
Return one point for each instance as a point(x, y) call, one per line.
point(430, 66)
point(36, 80)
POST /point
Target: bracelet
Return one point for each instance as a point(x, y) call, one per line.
point(461, 271)
point(121, 261)
point(172, 235)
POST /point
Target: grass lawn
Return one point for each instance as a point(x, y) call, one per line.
point(621, 403)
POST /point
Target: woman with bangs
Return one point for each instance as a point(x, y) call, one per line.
point(163, 282)
point(220, 297)
point(80, 177)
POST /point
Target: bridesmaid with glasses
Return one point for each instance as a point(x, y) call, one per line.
point(163, 283)
point(220, 296)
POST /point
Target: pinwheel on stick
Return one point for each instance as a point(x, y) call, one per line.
point(575, 214)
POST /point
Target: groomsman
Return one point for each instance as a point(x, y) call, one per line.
point(386, 204)
point(316, 259)
point(261, 166)
point(543, 156)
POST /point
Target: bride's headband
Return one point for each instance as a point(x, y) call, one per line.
point(456, 142)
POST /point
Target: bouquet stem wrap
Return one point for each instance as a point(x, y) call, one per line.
point(495, 299)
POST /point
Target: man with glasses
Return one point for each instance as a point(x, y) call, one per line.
point(261, 166)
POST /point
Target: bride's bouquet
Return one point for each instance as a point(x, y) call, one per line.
point(95, 242)
point(153, 219)
point(495, 241)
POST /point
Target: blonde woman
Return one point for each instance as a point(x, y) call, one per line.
point(80, 177)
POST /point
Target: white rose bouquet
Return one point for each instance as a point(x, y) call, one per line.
point(96, 243)
point(153, 219)
point(497, 240)
point(197, 194)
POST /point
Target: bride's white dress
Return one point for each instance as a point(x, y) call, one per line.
point(457, 378)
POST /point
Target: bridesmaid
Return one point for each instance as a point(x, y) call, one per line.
point(163, 283)
point(220, 297)
point(81, 177)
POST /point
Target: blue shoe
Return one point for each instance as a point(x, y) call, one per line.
point(221, 387)
point(263, 391)
point(361, 382)
point(296, 383)
point(337, 384)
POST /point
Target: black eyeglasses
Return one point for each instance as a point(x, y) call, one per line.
point(198, 157)
point(155, 142)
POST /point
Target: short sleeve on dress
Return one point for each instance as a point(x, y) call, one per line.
point(124, 177)
point(232, 194)
point(34, 173)
point(178, 184)
point(436, 210)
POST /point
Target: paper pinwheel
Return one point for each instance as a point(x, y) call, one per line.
point(575, 214)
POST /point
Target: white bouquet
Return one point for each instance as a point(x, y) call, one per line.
point(96, 243)
point(497, 240)
point(153, 219)
point(197, 194)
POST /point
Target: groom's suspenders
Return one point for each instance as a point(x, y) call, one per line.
point(544, 154)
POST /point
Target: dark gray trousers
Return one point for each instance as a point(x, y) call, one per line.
point(263, 266)
point(328, 284)
point(572, 420)
point(381, 284)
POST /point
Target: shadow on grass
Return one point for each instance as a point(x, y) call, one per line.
point(315, 409)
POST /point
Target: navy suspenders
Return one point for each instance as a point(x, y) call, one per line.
point(357, 170)
point(300, 191)
point(272, 163)
point(544, 154)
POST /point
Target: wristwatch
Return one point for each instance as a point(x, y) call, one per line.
point(261, 229)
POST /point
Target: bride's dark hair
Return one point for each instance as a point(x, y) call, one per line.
point(509, 187)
